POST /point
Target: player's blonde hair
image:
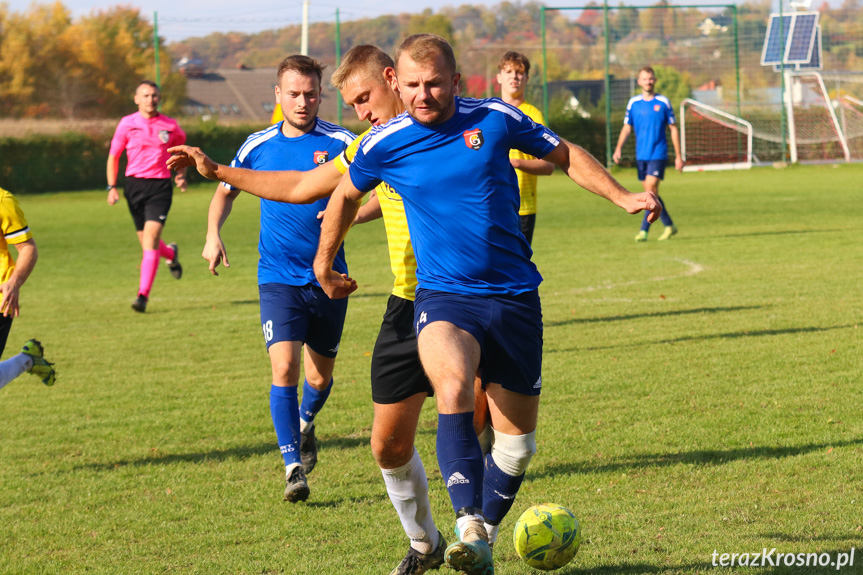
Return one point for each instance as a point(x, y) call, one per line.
point(424, 48)
point(361, 62)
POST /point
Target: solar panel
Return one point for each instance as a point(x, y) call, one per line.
point(773, 46)
point(815, 61)
point(797, 38)
point(802, 38)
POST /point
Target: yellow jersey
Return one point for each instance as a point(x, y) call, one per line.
point(402, 260)
point(13, 230)
point(527, 182)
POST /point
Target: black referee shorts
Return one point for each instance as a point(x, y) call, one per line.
point(149, 199)
point(397, 372)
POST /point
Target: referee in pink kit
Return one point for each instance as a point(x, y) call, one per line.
point(146, 136)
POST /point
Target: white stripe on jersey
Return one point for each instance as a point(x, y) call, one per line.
point(467, 105)
point(256, 140)
point(17, 234)
point(334, 131)
point(378, 133)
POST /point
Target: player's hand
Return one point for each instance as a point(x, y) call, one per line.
point(113, 196)
point(615, 156)
point(9, 301)
point(215, 253)
point(644, 201)
point(181, 182)
point(679, 163)
point(188, 157)
point(336, 285)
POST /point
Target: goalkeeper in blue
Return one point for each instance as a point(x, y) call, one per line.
point(647, 115)
point(477, 306)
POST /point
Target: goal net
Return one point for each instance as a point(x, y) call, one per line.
point(712, 139)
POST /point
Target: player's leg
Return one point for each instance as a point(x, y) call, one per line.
point(399, 389)
point(326, 320)
point(154, 201)
point(512, 361)
point(450, 336)
point(642, 167)
point(527, 224)
point(664, 216)
point(284, 323)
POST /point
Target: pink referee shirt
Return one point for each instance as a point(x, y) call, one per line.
point(146, 141)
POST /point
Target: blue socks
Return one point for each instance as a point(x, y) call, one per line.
point(663, 217)
point(286, 419)
point(460, 459)
point(313, 400)
point(499, 491)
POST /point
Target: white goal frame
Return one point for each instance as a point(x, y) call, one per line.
point(735, 123)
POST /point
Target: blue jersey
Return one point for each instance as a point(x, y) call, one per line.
point(649, 119)
point(460, 193)
point(290, 232)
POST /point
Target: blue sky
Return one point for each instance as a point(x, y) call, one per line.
point(178, 20)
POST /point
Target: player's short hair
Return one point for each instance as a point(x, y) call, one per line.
point(515, 59)
point(150, 83)
point(361, 62)
point(302, 65)
point(646, 69)
point(424, 48)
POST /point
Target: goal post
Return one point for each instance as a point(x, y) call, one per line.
point(712, 139)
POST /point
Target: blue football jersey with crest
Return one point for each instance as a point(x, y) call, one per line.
point(460, 193)
point(649, 119)
point(290, 232)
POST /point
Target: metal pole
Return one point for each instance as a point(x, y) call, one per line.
point(304, 37)
point(782, 126)
point(607, 86)
point(156, 47)
point(338, 63)
point(544, 65)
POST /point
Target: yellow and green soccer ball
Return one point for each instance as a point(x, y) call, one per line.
point(547, 536)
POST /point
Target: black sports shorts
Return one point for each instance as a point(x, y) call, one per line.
point(149, 199)
point(527, 224)
point(5, 326)
point(397, 372)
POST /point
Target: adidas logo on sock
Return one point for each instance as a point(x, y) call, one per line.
point(456, 479)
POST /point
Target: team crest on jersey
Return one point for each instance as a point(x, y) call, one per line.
point(164, 136)
point(657, 107)
point(321, 157)
point(473, 139)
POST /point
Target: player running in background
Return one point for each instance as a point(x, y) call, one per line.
point(513, 74)
point(145, 136)
point(477, 288)
point(648, 114)
point(13, 274)
point(295, 312)
point(366, 79)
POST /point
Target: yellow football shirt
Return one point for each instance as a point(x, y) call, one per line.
point(14, 230)
point(402, 260)
point(527, 182)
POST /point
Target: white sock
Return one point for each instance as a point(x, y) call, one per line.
point(408, 488)
point(305, 425)
point(486, 439)
point(13, 367)
point(492, 532)
point(289, 468)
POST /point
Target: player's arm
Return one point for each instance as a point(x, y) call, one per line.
point(584, 170)
point(111, 172)
point(339, 217)
point(220, 208)
point(282, 186)
point(536, 167)
point(24, 264)
point(624, 134)
point(369, 211)
point(675, 141)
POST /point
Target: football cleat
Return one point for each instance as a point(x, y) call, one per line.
point(668, 232)
point(641, 236)
point(174, 264)
point(140, 304)
point(471, 554)
point(416, 563)
point(309, 449)
point(296, 487)
point(41, 367)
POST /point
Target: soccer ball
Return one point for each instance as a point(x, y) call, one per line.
point(547, 536)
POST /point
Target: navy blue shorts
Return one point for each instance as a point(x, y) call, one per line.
point(507, 328)
point(302, 313)
point(655, 168)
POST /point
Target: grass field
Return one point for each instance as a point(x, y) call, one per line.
point(700, 394)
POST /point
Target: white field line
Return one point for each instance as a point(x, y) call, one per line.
point(692, 268)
